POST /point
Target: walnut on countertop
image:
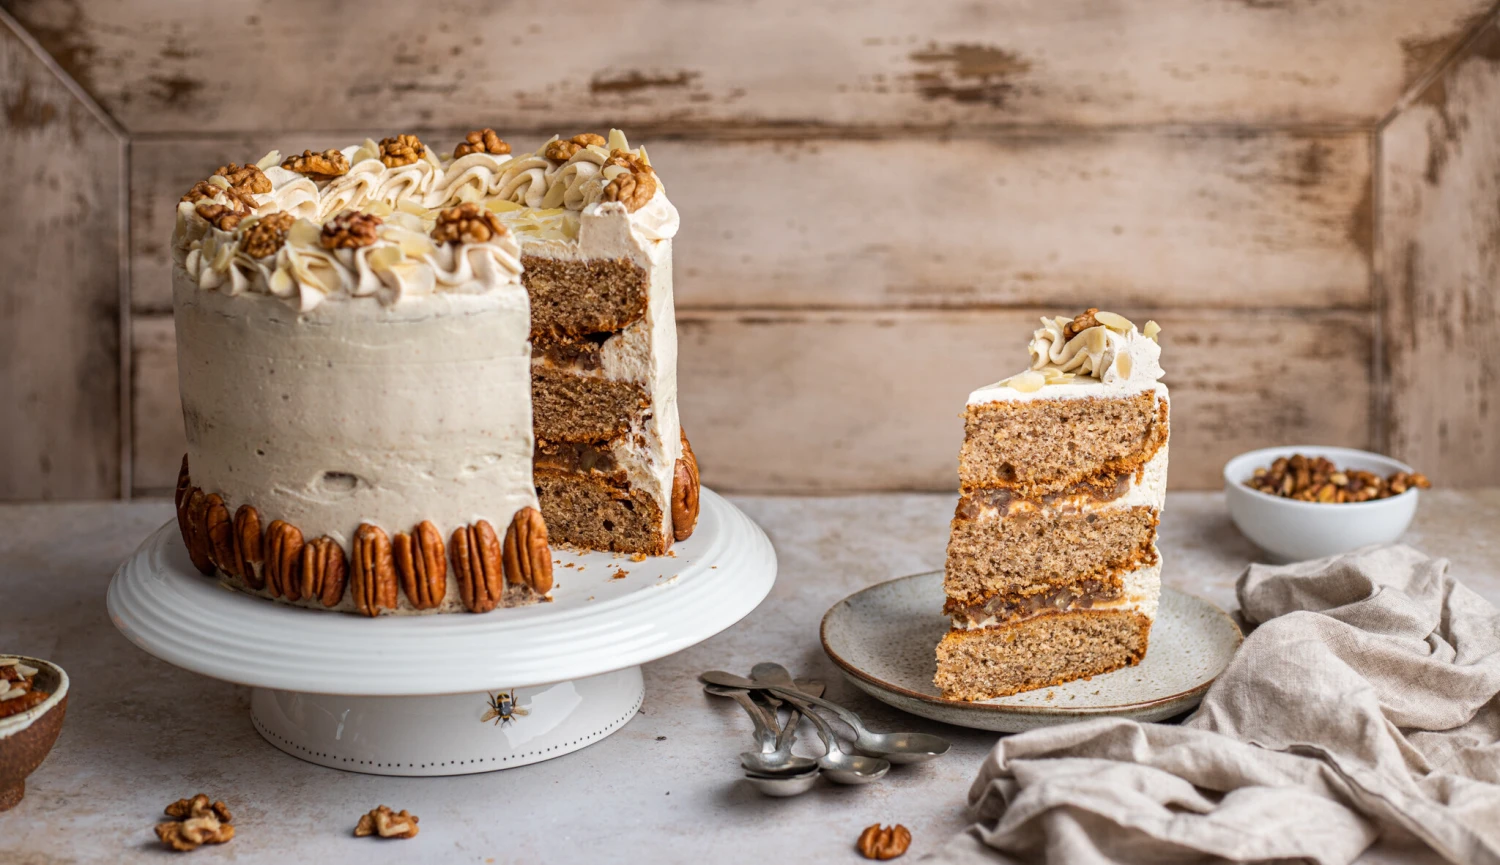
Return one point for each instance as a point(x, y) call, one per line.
point(195, 822)
point(350, 230)
point(318, 166)
point(559, 150)
point(245, 178)
point(199, 806)
point(467, 223)
point(267, 235)
point(481, 141)
point(401, 150)
point(386, 823)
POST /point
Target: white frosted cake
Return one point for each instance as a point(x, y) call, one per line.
point(1052, 571)
point(405, 375)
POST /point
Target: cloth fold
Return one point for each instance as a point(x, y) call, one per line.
point(1359, 721)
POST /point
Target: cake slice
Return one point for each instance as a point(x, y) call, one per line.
point(1052, 571)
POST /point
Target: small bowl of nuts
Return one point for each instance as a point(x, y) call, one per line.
point(1307, 502)
point(33, 699)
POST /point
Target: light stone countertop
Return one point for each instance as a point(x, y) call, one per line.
point(141, 733)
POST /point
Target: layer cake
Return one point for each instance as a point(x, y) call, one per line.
point(406, 375)
point(1052, 572)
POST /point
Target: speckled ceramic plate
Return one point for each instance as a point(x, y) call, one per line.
point(884, 636)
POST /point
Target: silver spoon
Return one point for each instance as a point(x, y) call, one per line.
point(775, 756)
point(839, 765)
point(782, 786)
point(897, 747)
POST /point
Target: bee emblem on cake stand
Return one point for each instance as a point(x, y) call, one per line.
point(503, 708)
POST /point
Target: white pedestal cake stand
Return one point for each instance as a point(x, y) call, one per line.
point(408, 695)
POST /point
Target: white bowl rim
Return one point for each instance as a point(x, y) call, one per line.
point(18, 722)
point(1265, 455)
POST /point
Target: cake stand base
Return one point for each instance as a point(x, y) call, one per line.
point(442, 735)
point(413, 695)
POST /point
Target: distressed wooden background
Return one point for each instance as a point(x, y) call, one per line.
point(879, 198)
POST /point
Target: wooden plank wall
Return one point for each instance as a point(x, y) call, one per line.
point(1440, 270)
point(879, 201)
point(61, 255)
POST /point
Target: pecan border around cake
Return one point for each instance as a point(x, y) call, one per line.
point(278, 563)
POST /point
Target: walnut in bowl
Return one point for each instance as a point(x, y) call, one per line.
point(27, 735)
point(1309, 520)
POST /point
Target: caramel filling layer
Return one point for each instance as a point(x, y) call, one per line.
point(1009, 607)
point(577, 458)
point(1094, 490)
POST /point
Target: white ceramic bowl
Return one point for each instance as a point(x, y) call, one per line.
point(1291, 531)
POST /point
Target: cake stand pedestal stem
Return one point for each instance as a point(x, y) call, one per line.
point(450, 734)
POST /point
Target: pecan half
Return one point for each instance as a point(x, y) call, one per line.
point(324, 572)
point(880, 842)
point(350, 230)
point(477, 563)
point(527, 558)
point(192, 519)
point(374, 577)
point(219, 529)
point(685, 492)
point(481, 141)
point(318, 166)
point(283, 558)
point(467, 223)
point(422, 565)
point(247, 546)
point(401, 150)
point(245, 178)
point(267, 235)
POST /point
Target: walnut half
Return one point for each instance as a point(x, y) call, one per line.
point(467, 223)
point(559, 150)
point(245, 178)
point(350, 230)
point(267, 235)
point(318, 166)
point(484, 140)
point(386, 823)
point(401, 150)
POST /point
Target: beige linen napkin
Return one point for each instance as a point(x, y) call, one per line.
point(1359, 721)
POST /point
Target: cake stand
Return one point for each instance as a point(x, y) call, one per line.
point(420, 695)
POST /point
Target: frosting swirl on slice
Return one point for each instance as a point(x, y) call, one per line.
point(1112, 350)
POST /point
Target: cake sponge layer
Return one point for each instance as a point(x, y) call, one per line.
point(1039, 652)
point(590, 512)
point(571, 298)
point(579, 408)
point(1042, 446)
point(1034, 552)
